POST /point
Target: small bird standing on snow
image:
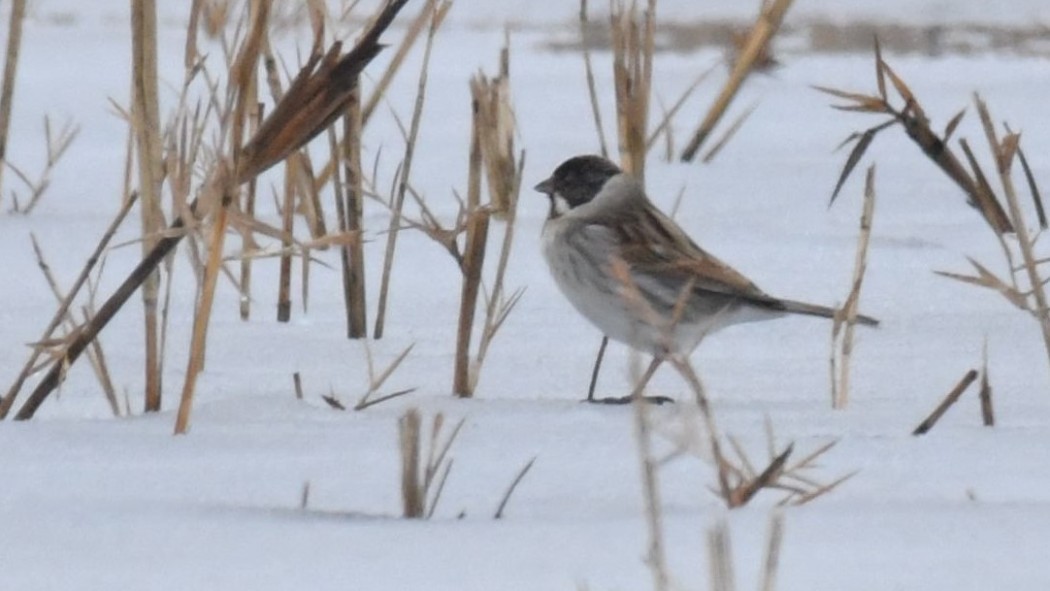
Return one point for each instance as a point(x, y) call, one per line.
point(635, 274)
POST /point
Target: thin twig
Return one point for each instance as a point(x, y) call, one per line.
point(437, 15)
point(513, 486)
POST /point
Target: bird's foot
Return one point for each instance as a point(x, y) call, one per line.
point(629, 399)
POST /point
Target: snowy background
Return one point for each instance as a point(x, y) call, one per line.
point(92, 502)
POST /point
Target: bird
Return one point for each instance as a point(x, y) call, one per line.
point(636, 275)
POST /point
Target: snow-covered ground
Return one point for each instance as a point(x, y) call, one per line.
point(91, 502)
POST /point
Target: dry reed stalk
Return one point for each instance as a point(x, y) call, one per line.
point(720, 558)
point(633, 45)
point(845, 321)
point(354, 254)
point(685, 368)
point(945, 404)
point(317, 95)
point(473, 262)
point(145, 112)
point(499, 307)
point(407, 43)
point(1005, 152)
point(95, 356)
point(438, 10)
point(769, 21)
point(201, 319)
point(310, 206)
point(656, 555)
point(728, 135)
point(492, 148)
point(7, 91)
point(413, 497)
point(772, 560)
point(247, 244)
point(592, 90)
point(221, 192)
point(63, 309)
point(422, 481)
point(191, 53)
point(665, 123)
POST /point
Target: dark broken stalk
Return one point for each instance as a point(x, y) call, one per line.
point(357, 314)
point(916, 125)
point(315, 98)
point(947, 403)
point(985, 393)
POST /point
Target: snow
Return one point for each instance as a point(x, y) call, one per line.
point(91, 502)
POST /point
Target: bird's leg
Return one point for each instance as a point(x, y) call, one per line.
point(597, 368)
point(638, 388)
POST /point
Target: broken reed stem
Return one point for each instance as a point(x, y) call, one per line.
point(765, 27)
point(656, 556)
point(437, 15)
point(846, 319)
point(473, 262)
point(7, 91)
point(633, 46)
point(318, 91)
point(95, 355)
point(63, 309)
point(413, 497)
point(146, 121)
point(354, 253)
point(297, 381)
point(945, 404)
point(284, 281)
point(592, 90)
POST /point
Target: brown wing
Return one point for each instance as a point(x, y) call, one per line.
point(653, 244)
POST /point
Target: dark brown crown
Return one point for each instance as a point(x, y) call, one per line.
point(579, 179)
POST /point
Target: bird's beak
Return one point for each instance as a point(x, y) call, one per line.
point(545, 187)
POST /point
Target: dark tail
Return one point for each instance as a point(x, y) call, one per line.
point(822, 311)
